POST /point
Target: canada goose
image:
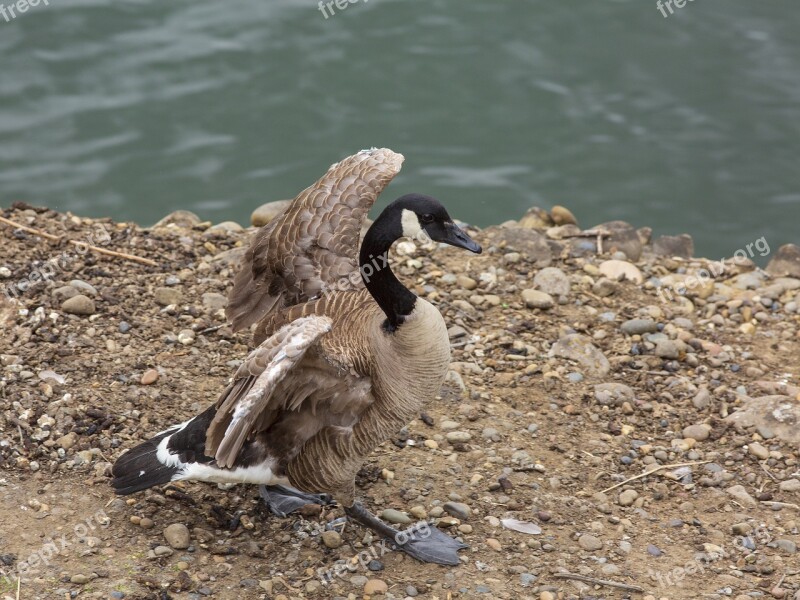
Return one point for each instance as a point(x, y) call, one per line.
point(347, 355)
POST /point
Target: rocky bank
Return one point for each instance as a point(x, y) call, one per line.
point(620, 420)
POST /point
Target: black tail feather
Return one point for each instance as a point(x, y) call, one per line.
point(139, 468)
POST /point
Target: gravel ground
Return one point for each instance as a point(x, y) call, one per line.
point(573, 375)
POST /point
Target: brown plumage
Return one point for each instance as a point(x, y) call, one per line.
point(313, 244)
point(346, 354)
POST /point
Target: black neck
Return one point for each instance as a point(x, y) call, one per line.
point(395, 299)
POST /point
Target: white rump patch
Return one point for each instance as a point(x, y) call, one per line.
point(261, 474)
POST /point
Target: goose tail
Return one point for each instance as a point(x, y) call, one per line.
point(163, 458)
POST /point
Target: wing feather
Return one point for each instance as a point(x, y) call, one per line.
point(247, 402)
point(322, 224)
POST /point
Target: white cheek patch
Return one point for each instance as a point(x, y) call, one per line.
point(412, 228)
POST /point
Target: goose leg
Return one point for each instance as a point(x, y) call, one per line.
point(282, 500)
point(422, 541)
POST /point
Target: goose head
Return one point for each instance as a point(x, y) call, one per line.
point(421, 217)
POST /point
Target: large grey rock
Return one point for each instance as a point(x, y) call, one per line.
point(786, 262)
point(530, 243)
point(624, 238)
point(674, 245)
point(780, 414)
point(580, 349)
point(267, 212)
point(179, 218)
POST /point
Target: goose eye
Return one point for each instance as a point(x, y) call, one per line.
point(426, 219)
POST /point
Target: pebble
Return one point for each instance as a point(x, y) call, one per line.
point(79, 305)
point(458, 437)
point(177, 536)
point(458, 510)
point(552, 281)
point(790, 485)
point(741, 495)
point(375, 586)
point(757, 450)
point(494, 544)
point(627, 497)
point(332, 539)
point(639, 326)
point(580, 349)
point(149, 377)
point(83, 287)
point(165, 296)
point(468, 283)
point(590, 543)
point(80, 579)
point(537, 299)
point(395, 516)
point(696, 432)
point(620, 270)
point(267, 212)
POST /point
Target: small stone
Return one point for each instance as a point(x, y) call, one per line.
point(740, 494)
point(620, 270)
point(375, 586)
point(80, 579)
point(537, 299)
point(149, 377)
point(552, 281)
point(696, 432)
point(332, 539)
point(78, 305)
point(741, 529)
point(787, 546)
point(267, 212)
point(83, 287)
point(186, 336)
point(604, 287)
point(213, 302)
point(590, 543)
point(562, 216)
point(64, 293)
point(627, 497)
point(458, 510)
point(702, 399)
point(790, 485)
point(580, 349)
point(395, 516)
point(494, 544)
point(177, 536)
point(458, 437)
point(67, 441)
point(639, 326)
point(757, 450)
point(146, 523)
point(468, 283)
point(164, 296)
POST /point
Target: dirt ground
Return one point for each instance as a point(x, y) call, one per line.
point(527, 429)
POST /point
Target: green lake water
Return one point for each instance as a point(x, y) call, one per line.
point(135, 108)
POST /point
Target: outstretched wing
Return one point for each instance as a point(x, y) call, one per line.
point(313, 245)
point(249, 402)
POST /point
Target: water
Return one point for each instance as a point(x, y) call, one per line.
point(134, 108)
